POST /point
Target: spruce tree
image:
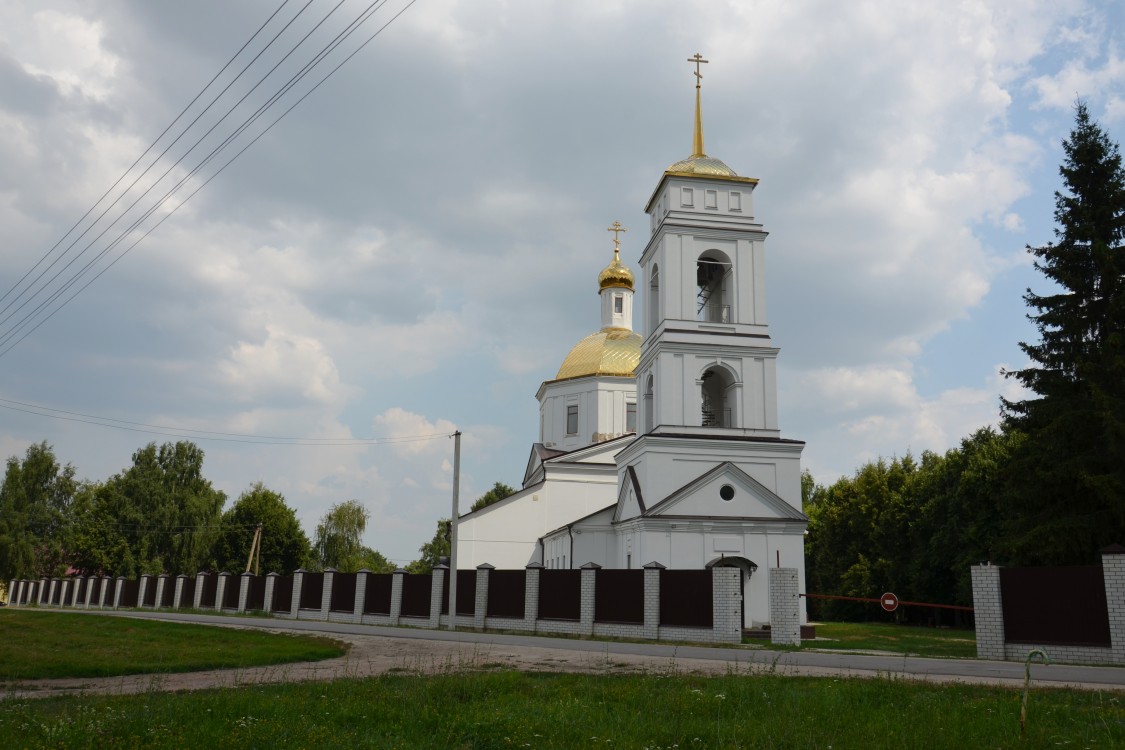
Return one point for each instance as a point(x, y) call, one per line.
point(1069, 476)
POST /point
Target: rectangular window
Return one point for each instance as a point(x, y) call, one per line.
point(711, 199)
point(735, 200)
point(686, 197)
point(618, 304)
point(572, 420)
point(630, 417)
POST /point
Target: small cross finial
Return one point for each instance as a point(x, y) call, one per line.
point(698, 60)
point(617, 229)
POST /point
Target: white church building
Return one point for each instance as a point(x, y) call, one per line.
point(663, 445)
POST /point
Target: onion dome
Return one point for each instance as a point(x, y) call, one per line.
point(615, 275)
point(702, 165)
point(610, 351)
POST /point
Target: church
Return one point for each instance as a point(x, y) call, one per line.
point(663, 445)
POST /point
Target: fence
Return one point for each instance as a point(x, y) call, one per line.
point(1075, 614)
point(653, 603)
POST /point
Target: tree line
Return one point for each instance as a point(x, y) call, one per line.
point(161, 515)
point(1047, 487)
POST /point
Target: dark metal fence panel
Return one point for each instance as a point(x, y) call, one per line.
point(377, 600)
point(343, 592)
point(110, 590)
point(282, 594)
point(231, 592)
point(619, 596)
point(256, 594)
point(686, 598)
point(466, 593)
point(187, 593)
point(1055, 606)
point(416, 594)
point(312, 590)
point(83, 588)
point(560, 594)
point(150, 593)
point(168, 594)
point(210, 588)
point(506, 592)
point(129, 591)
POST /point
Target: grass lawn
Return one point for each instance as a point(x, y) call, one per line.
point(38, 644)
point(899, 639)
point(509, 709)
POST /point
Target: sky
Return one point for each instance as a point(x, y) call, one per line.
point(415, 247)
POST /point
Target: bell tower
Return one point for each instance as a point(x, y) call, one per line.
point(707, 375)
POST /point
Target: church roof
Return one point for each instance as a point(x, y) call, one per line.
point(610, 351)
point(616, 274)
point(701, 165)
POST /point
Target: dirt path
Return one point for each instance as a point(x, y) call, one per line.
point(371, 655)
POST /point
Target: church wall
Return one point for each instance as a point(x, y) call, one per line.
point(601, 410)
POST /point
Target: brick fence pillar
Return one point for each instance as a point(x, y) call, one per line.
point(221, 589)
point(51, 591)
point(74, 591)
point(162, 583)
point(298, 584)
point(267, 600)
point(652, 599)
point(726, 604)
point(531, 595)
point(396, 595)
point(198, 598)
point(361, 577)
point(480, 602)
point(43, 593)
point(988, 611)
point(244, 589)
point(785, 607)
point(586, 609)
point(118, 591)
point(178, 595)
point(142, 589)
point(326, 593)
point(1113, 571)
point(437, 588)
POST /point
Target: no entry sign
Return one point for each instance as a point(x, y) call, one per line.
point(888, 601)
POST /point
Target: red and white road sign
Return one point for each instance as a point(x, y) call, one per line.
point(888, 601)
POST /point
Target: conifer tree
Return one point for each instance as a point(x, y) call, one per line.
point(1069, 476)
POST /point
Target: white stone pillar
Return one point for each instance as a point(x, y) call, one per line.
point(178, 594)
point(267, 600)
point(118, 591)
point(326, 593)
point(531, 595)
point(221, 589)
point(396, 595)
point(360, 594)
point(726, 605)
point(437, 586)
point(785, 607)
point(197, 600)
point(480, 601)
point(298, 585)
point(1113, 572)
point(51, 591)
point(652, 599)
point(43, 591)
point(988, 612)
point(586, 611)
point(244, 589)
point(162, 582)
point(146, 581)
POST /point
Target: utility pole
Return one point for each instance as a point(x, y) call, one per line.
point(453, 532)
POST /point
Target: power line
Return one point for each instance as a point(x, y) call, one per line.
point(7, 336)
point(193, 434)
point(38, 311)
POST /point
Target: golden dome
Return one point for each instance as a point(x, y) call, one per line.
point(702, 165)
point(610, 351)
point(615, 274)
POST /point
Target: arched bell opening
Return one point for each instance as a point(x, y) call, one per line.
point(713, 293)
point(717, 386)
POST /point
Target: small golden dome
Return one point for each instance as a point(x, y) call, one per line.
point(615, 275)
point(702, 165)
point(610, 351)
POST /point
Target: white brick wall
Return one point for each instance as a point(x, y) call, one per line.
point(785, 607)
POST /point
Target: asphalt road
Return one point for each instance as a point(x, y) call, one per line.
point(785, 662)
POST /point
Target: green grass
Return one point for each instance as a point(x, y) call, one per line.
point(37, 644)
point(513, 710)
point(899, 639)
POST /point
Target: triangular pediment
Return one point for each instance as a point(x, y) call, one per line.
point(726, 491)
point(630, 502)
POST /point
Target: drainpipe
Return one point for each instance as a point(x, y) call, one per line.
point(571, 535)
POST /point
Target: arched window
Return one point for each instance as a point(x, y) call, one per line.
point(718, 398)
point(712, 277)
point(654, 299)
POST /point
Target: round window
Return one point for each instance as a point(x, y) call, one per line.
point(726, 492)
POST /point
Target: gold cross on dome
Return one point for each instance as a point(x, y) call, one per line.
point(698, 60)
point(617, 229)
